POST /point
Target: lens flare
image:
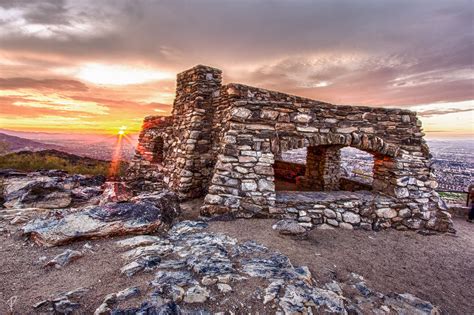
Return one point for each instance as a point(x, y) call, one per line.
point(121, 131)
point(117, 154)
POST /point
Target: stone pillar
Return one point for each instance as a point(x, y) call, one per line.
point(322, 169)
point(190, 164)
point(385, 178)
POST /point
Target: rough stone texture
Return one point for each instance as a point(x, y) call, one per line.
point(64, 258)
point(49, 189)
point(288, 227)
point(111, 299)
point(134, 217)
point(64, 303)
point(222, 141)
point(198, 267)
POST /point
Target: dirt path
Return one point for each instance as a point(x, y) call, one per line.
point(436, 268)
point(23, 276)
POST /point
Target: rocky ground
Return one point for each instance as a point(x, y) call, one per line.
point(241, 266)
point(434, 268)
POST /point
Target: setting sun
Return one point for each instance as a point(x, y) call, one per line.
point(121, 131)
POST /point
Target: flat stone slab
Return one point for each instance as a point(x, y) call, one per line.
point(112, 219)
point(323, 196)
point(49, 189)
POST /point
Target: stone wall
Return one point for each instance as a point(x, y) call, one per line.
point(224, 140)
point(146, 168)
point(350, 210)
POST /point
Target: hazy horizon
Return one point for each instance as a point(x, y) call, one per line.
point(435, 136)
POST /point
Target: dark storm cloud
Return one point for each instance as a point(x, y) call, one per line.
point(41, 84)
point(380, 52)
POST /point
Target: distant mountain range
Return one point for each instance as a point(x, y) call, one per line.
point(16, 144)
point(28, 161)
point(100, 147)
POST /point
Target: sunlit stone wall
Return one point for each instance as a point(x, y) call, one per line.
point(223, 140)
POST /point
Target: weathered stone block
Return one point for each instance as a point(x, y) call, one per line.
point(350, 217)
point(266, 185)
point(302, 118)
point(249, 185)
point(386, 213)
point(329, 213)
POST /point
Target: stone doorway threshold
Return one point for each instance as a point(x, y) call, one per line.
point(326, 196)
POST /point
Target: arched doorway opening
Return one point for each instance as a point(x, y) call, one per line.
point(324, 168)
point(288, 167)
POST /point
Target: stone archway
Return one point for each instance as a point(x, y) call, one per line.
point(322, 171)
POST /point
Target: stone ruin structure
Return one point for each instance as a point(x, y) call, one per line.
point(224, 143)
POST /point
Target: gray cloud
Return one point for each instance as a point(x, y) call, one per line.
point(52, 12)
point(288, 45)
point(49, 12)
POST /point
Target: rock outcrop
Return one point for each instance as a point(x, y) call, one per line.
point(49, 189)
point(145, 214)
point(192, 269)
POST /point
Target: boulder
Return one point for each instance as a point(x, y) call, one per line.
point(111, 219)
point(409, 304)
point(165, 200)
point(196, 294)
point(111, 299)
point(64, 303)
point(48, 189)
point(85, 193)
point(141, 240)
point(290, 227)
point(35, 192)
point(115, 192)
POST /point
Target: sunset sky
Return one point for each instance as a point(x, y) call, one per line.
point(96, 66)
